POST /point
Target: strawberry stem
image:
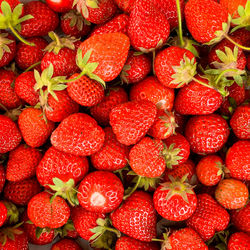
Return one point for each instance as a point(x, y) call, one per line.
point(223, 73)
point(179, 23)
point(237, 44)
point(202, 83)
point(32, 66)
point(159, 240)
point(134, 188)
point(76, 78)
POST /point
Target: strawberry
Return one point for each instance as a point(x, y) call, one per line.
point(125, 5)
point(136, 217)
point(113, 97)
point(46, 213)
point(148, 29)
point(137, 117)
point(136, 68)
point(22, 163)
point(204, 20)
point(151, 89)
point(208, 218)
point(96, 11)
point(60, 6)
point(27, 56)
point(78, 134)
point(232, 6)
point(34, 129)
point(7, 48)
point(8, 97)
point(181, 121)
point(109, 51)
point(20, 192)
point(3, 214)
point(231, 194)
point(112, 156)
point(73, 24)
point(206, 134)
point(43, 21)
point(66, 244)
point(2, 177)
point(238, 160)
point(10, 137)
point(239, 240)
point(175, 200)
point(209, 170)
point(243, 35)
point(240, 122)
point(248, 62)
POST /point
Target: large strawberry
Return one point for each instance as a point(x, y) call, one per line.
point(239, 240)
point(2, 177)
point(65, 244)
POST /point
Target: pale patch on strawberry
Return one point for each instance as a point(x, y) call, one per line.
point(97, 199)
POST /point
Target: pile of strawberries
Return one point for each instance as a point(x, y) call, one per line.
point(125, 123)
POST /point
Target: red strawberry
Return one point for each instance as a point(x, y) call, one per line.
point(43, 21)
point(148, 29)
point(112, 156)
point(137, 117)
point(243, 35)
point(34, 129)
point(231, 194)
point(136, 217)
point(206, 134)
point(20, 192)
point(78, 134)
point(60, 6)
point(238, 160)
point(2, 178)
point(22, 163)
point(232, 6)
point(151, 89)
point(10, 137)
point(66, 244)
point(208, 218)
point(125, 5)
point(239, 240)
point(113, 97)
point(3, 213)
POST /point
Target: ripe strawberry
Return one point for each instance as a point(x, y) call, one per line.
point(243, 35)
point(66, 244)
point(137, 117)
point(34, 129)
point(208, 218)
point(60, 6)
point(3, 213)
point(109, 50)
point(231, 194)
point(7, 48)
point(27, 55)
point(8, 97)
point(232, 6)
point(151, 89)
point(206, 134)
point(125, 5)
point(204, 18)
point(10, 137)
point(148, 29)
point(113, 97)
point(136, 217)
point(240, 122)
point(78, 134)
point(20, 192)
point(239, 240)
point(57, 164)
point(22, 163)
point(136, 68)
point(46, 213)
point(43, 21)
point(112, 156)
point(2, 177)
point(238, 160)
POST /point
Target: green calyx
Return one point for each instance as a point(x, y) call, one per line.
point(158, 46)
point(171, 155)
point(68, 227)
point(124, 73)
point(169, 122)
point(40, 231)
point(13, 213)
point(4, 41)
point(82, 6)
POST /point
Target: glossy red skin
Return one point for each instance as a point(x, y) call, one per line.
point(20, 192)
point(78, 134)
point(136, 119)
point(44, 213)
point(243, 35)
point(22, 163)
point(206, 134)
point(208, 218)
point(140, 67)
point(2, 178)
point(44, 20)
point(112, 156)
point(204, 18)
point(238, 160)
point(8, 56)
point(241, 218)
point(84, 221)
point(239, 240)
point(125, 5)
point(66, 244)
point(60, 6)
point(8, 97)
point(28, 55)
point(113, 97)
point(136, 217)
point(3, 213)
point(10, 136)
point(34, 129)
point(151, 89)
point(164, 62)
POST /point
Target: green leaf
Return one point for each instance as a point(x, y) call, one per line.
point(25, 18)
point(17, 12)
point(86, 57)
point(58, 182)
point(50, 71)
point(241, 10)
point(39, 231)
point(91, 67)
point(6, 9)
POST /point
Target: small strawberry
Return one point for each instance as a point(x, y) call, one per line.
point(231, 194)
point(239, 240)
point(66, 244)
point(2, 177)
point(206, 134)
point(208, 218)
point(151, 89)
point(3, 213)
point(137, 117)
